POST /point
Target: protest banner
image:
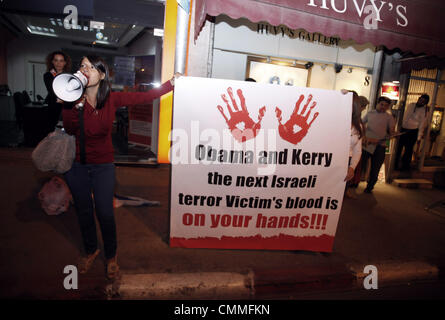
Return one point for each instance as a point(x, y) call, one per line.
point(257, 166)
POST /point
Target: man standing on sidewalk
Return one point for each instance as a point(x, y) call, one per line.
point(414, 121)
point(378, 125)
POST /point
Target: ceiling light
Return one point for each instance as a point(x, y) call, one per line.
point(97, 25)
point(43, 33)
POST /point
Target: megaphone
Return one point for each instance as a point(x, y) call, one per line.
point(69, 87)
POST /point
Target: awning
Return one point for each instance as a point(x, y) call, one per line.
point(410, 25)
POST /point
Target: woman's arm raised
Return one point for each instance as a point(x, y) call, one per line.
point(128, 99)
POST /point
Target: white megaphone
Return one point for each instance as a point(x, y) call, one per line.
point(69, 87)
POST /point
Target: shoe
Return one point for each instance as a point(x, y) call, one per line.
point(112, 268)
point(367, 190)
point(350, 193)
point(85, 263)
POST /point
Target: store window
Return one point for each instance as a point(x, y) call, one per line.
point(431, 153)
point(425, 73)
point(125, 37)
point(436, 151)
point(278, 54)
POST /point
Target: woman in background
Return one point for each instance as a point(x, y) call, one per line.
point(354, 182)
point(355, 147)
point(56, 62)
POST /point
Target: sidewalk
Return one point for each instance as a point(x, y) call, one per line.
point(389, 229)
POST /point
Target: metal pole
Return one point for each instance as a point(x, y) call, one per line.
point(376, 76)
point(181, 39)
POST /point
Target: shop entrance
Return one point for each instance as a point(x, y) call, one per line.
point(431, 153)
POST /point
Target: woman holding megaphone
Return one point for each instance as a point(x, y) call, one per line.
point(92, 176)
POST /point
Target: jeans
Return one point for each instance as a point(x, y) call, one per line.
point(377, 159)
point(92, 188)
point(407, 142)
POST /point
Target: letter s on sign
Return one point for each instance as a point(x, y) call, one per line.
point(398, 8)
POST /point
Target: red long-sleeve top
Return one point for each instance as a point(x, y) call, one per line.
point(98, 123)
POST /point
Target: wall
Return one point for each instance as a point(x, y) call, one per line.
point(234, 40)
point(5, 37)
point(199, 51)
point(144, 46)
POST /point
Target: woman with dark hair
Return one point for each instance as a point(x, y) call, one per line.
point(354, 182)
point(56, 62)
point(92, 176)
point(355, 148)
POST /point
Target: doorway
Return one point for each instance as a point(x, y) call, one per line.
point(35, 86)
point(431, 153)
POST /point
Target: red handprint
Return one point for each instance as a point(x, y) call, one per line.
point(240, 124)
point(289, 131)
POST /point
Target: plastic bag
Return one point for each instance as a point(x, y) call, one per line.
point(56, 152)
point(55, 196)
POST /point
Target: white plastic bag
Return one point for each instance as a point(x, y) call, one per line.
point(56, 152)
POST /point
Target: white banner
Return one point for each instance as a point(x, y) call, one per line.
point(257, 166)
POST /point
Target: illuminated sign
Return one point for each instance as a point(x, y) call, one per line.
point(390, 90)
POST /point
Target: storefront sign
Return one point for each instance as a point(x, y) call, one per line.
point(257, 166)
point(390, 90)
point(263, 28)
point(365, 9)
point(395, 24)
